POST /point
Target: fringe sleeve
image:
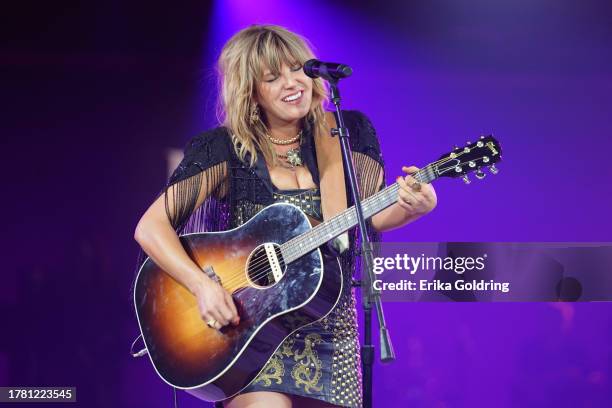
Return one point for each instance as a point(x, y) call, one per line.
point(367, 157)
point(203, 173)
point(369, 169)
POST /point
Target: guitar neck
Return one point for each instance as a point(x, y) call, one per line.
point(324, 232)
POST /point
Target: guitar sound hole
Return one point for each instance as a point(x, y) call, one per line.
point(265, 265)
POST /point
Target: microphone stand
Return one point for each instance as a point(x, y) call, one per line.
point(369, 296)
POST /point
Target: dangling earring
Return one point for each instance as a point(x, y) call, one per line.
point(254, 115)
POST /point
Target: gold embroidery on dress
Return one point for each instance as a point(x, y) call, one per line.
point(307, 370)
point(273, 370)
point(287, 345)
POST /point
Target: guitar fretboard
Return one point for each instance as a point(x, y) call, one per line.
point(324, 232)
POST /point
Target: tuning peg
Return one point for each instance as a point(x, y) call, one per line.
point(480, 174)
point(466, 179)
point(494, 170)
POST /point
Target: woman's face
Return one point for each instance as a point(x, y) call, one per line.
point(286, 97)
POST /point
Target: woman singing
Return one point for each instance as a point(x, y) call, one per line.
point(266, 151)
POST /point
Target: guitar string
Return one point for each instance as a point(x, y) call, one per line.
point(260, 269)
point(299, 240)
point(424, 170)
point(327, 224)
point(257, 267)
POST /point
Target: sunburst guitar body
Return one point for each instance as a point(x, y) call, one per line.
point(273, 298)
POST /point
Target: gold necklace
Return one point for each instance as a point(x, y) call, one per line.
point(285, 142)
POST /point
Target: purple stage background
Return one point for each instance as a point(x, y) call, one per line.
point(93, 95)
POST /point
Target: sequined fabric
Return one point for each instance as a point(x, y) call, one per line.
point(309, 200)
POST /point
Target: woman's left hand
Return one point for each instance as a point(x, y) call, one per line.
point(414, 197)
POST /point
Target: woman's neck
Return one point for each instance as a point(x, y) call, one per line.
point(285, 130)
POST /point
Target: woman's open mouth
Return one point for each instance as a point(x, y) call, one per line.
point(294, 98)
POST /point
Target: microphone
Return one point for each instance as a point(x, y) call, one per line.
point(326, 70)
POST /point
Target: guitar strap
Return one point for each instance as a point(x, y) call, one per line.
point(331, 178)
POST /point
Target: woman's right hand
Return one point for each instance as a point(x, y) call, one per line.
point(161, 242)
point(215, 303)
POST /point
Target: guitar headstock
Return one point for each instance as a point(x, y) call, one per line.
point(473, 157)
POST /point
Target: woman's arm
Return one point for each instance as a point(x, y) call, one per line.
point(369, 164)
point(410, 206)
point(159, 240)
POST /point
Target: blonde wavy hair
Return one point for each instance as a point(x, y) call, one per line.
point(240, 66)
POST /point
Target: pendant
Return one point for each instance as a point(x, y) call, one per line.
point(294, 158)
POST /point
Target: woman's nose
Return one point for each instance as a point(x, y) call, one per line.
point(289, 79)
